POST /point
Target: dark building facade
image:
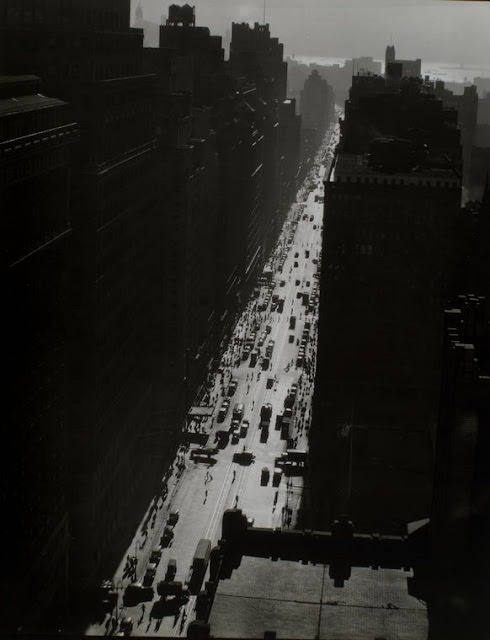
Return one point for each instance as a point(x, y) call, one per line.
point(317, 107)
point(36, 136)
point(392, 203)
point(87, 55)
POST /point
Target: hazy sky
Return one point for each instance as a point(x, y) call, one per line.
point(434, 30)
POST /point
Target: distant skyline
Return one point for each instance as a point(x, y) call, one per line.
point(437, 30)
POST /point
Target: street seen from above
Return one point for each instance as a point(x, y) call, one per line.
point(247, 434)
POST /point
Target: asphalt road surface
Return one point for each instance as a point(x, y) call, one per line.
point(202, 490)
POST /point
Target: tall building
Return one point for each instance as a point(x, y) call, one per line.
point(317, 104)
point(392, 205)
point(397, 68)
point(36, 136)
point(88, 55)
point(259, 57)
point(460, 513)
point(317, 107)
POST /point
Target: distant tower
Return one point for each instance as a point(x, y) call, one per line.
point(389, 55)
point(139, 13)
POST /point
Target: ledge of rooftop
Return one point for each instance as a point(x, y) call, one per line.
point(355, 167)
point(299, 600)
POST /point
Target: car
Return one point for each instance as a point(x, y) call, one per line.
point(126, 626)
point(291, 337)
point(297, 282)
point(170, 588)
point(308, 283)
point(294, 389)
point(136, 592)
point(235, 437)
point(150, 573)
point(276, 477)
point(171, 569)
point(288, 412)
point(173, 518)
point(296, 255)
point(232, 386)
point(315, 260)
point(311, 218)
point(156, 555)
point(268, 328)
point(264, 476)
point(282, 283)
point(295, 264)
point(244, 428)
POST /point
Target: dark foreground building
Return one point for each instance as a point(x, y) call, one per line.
point(126, 261)
point(392, 206)
point(37, 133)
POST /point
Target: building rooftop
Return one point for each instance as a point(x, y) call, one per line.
point(299, 600)
point(22, 104)
point(355, 167)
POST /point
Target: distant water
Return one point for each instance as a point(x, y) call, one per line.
point(449, 72)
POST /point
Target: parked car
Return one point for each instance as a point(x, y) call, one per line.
point(126, 626)
point(173, 518)
point(156, 555)
point(276, 478)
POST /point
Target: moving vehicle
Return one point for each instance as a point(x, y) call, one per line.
point(291, 338)
point(270, 348)
point(232, 386)
point(156, 555)
point(170, 588)
point(266, 411)
point(126, 626)
point(199, 564)
point(244, 429)
point(150, 573)
point(136, 593)
point(297, 455)
point(253, 357)
point(167, 537)
point(265, 363)
point(238, 410)
point(292, 323)
point(173, 516)
point(171, 569)
point(264, 476)
point(276, 477)
point(222, 437)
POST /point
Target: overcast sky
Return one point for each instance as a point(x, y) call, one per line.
point(434, 30)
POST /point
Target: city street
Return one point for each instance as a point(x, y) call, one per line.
point(201, 488)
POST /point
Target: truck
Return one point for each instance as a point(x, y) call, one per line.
point(266, 411)
point(199, 564)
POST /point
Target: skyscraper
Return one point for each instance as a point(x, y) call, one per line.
point(392, 203)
